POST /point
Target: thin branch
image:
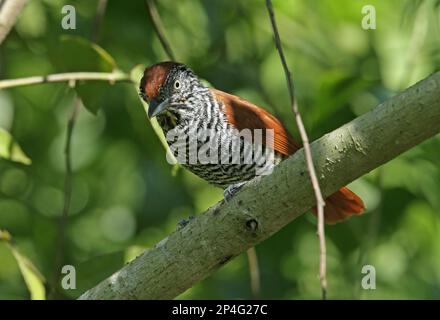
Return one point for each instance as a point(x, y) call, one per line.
point(97, 22)
point(221, 233)
point(320, 203)
point(59, 255)
point(158, 28)
point(66, 77)
point(9, 12)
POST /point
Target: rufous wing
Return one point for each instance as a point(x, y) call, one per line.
point(243, 114)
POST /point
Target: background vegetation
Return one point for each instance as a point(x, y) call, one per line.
point(126, 197)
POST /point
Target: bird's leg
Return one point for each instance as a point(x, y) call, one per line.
point(232, 189)
point(182, 223)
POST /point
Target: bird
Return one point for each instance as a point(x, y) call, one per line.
point(184, 106)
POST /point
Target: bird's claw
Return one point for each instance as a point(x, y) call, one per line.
point(230, 191)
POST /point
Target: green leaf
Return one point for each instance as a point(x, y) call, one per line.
point(10, 150)
point(32, 277)
point(76, 54)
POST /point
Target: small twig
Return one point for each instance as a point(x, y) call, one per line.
point(66, 77)
point(308, 154)
point(97, 23)
point(59, 256)
point(158, 28)
point(254, 272)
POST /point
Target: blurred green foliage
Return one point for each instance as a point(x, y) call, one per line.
point(125, 197)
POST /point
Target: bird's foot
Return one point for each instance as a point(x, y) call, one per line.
point(232, 190)
point(182, 223)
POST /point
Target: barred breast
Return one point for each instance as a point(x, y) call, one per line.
point(213, 150)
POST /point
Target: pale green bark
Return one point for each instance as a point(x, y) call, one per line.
point(267, 204)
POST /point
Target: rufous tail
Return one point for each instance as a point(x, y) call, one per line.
point(341, 205)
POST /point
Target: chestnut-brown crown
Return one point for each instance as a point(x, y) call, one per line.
point(154, 78)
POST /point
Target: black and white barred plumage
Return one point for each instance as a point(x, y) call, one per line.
point(193, 110)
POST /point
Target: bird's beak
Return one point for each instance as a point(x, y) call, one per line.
point(155, 108)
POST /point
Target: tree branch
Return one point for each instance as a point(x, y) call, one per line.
point(9, 12)
point(158, 28)
point(268, 203)
point(66, 77)
point(309, 159)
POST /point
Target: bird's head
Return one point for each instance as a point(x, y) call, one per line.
point(167, 86)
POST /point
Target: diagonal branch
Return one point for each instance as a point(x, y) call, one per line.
point(212, 239)
point(305, 140)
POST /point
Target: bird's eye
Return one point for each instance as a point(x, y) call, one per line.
point(177, 84)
